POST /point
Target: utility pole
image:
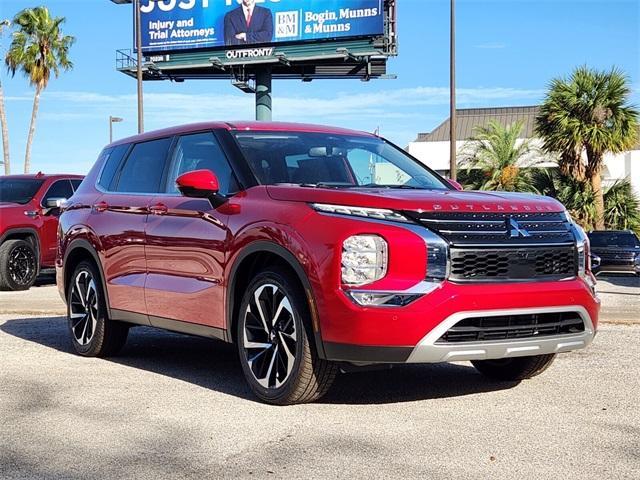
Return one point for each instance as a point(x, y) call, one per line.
point(136, 5)
point(138, 42)
point(452, 101)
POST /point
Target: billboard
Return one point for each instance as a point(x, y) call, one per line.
point(175, 25)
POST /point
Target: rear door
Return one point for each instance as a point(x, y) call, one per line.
point(186, 240)
point(120, 215)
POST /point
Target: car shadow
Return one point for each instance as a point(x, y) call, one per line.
point(619, 280)
point(45, 278)
point(214, 365)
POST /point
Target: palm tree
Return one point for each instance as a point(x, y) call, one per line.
point(576, 195)
point(495, 152)
point(3, 119)
point(38, 48)
point(622, 205)
point(582, 119)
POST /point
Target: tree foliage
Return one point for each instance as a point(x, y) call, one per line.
point(496, 152)
point(583, 118)
point(622, 206)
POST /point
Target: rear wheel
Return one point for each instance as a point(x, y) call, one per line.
point(513, 369)
point(18, 265)
point(92, 333)
point(278, 360)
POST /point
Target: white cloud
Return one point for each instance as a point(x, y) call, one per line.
point(396, 103)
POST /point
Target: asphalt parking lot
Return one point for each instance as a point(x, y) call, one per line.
point(172, 406)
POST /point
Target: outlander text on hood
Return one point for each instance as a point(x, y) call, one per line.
point(312, 248)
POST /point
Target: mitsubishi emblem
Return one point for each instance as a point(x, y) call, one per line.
point(515, 229)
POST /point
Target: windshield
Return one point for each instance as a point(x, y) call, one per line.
point(328, 160)
point(18, 190)
point(602, 240)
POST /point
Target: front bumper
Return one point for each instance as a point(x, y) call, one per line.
point(410, 334)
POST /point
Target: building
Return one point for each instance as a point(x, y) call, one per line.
point(433, 148)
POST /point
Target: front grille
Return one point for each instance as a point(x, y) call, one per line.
point(469, 228)
point(620, 256)
point(504, 327)
point(500, 264)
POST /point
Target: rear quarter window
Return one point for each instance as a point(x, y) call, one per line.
point(113, 160)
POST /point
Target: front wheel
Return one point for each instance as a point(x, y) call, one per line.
point(92, 333)
point(278, 361)
point(514, 369)
point(18, 265)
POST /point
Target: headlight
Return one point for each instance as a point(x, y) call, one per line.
point(437, 257)
point(376, 213)
point(582, 244)
point(364, 259)
point(584, 256)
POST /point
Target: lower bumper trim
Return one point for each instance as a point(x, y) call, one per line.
point(342, 352)
point(428, 351)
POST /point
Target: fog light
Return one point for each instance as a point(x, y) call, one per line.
point(364, 259)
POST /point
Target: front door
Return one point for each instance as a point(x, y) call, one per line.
point(186, 241)
point(58, 189)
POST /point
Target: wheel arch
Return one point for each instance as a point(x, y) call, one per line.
point(28, 234)
point(79, 250)
point(256, 256)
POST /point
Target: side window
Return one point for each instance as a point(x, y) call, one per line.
point(76, 183)
point(200, 151)
point(142, 171)
point(112, 162)
point(59, 189)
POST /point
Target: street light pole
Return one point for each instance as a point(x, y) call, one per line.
point(452, 89)
point(136, 5)
point(113, 120)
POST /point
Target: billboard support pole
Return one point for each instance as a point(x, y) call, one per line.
point(263, 95)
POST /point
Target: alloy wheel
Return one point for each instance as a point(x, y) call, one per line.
point(22, 265)
point(83, 308)
point(270, 336)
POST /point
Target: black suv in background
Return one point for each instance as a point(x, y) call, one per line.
point(619, 251)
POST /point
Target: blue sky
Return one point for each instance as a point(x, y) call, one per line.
point(507, 51)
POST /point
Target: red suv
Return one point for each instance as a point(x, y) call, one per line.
point(29, 210)
point(312, 247)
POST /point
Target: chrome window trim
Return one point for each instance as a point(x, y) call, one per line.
point(51, 186)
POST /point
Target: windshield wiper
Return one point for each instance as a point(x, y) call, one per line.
point(326, 185)
point(401, 187)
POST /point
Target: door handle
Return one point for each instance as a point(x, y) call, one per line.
point(100, 207)
point(158, 209)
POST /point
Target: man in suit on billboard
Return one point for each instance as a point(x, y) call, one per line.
point(248, 24)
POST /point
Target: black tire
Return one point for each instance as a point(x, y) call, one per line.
point(514, 369)
point(92, 333)
point(18, 265)
point(301, 379)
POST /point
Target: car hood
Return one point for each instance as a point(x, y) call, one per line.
point(418, 200)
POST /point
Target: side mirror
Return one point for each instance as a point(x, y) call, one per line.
point(55, 202)
point(201, 184)
point(455, 184)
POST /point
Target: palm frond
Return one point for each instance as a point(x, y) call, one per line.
point(38, 48)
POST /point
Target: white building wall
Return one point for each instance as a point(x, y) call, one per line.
point(617, 167)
